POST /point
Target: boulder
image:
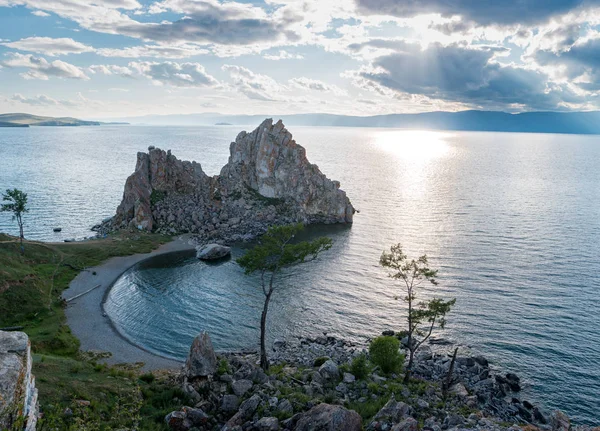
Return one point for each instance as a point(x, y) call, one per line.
point(18, 394)
point(408, 424)
point(230, 403)
point(392, 412)
point(329, 370)
point(213, 252)
point(240, 387)
point(326, 417)
point(267, 424)
point(560, 421)
point(245, 412)
point(202, 360)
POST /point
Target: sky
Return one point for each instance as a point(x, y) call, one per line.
point(123, 58)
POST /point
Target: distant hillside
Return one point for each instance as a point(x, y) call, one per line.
point(493, 121)
point(15, 120)
point(6, 124)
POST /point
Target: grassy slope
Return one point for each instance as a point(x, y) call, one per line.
point(34, 120)
point(30, 288)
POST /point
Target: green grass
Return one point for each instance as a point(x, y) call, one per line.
point(30, 289)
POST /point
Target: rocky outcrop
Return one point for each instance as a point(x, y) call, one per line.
point(202, 360)
point(326, 417)
point(268, 180)
point(18, 394)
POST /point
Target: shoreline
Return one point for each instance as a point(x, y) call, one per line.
point(90, 324)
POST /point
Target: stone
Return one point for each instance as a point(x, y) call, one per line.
point(459, 390)
point(202, 360)
point(540, 416)
point(245, 412)
point(230, 403)
point(392, 412)
point(408, 424)
point(240, 387)
point(267, 424)
point(329, 370)
point(326, 417)
point(560, 421)
point(349, 378)
point(213, 252)
point(285, 406)
point(197, 417)
point(18, 393)
point(177, 421)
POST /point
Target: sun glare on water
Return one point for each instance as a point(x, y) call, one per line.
point(415, 145)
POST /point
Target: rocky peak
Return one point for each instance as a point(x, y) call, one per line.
point(267, 180)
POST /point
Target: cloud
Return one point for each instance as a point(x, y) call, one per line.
point(175, 74)
point(482, 12)
point(40, 13)
point(111, 69)
point(41, 100)
point(40, 68)
point(253, 85)
point(158, 51)
point(283, 55)
point(316, 85)
point(49, 46)
point(464, 75)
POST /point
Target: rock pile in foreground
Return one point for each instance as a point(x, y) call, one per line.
point(18, 394)
point(267, 180)
point(310, 387)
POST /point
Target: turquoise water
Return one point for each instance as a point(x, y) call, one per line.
point(511, 220)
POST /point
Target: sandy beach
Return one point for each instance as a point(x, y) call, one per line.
point(86, 317)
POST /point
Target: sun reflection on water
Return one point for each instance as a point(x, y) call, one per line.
point(415, 145)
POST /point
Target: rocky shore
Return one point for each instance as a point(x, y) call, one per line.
point(310, 386)
point(268, 180)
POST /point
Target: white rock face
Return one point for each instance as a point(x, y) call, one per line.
point(268, 180)
point(18, 394)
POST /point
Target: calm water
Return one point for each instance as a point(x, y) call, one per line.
point(511, 220)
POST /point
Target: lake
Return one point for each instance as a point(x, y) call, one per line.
point(512, 221)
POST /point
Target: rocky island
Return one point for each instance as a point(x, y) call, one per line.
point(268, 180)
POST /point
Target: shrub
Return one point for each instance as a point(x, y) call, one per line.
point(147, 377)
point(385, 353)
point(359, 366)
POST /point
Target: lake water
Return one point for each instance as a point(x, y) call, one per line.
point(511, 220)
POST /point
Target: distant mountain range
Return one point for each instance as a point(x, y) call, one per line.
point(26, 120)
point(493, 121)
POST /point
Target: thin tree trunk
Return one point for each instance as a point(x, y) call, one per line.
point(446, 385)
point(21, 235)
point(410, 332)
point(264, 360)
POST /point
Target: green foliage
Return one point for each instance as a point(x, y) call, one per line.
point(223, 367)
point(156, 197)
point(359, 367)
point(412, 274)
point(276, 250)
point(17, 202)
point(320, 361)
point(147, 377)
point(369, 408)
point(385, 354)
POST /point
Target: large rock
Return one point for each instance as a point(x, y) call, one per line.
point(212, 252)
point(267, 180)
point(326, 417)
point(18, 394)
point(202, 360)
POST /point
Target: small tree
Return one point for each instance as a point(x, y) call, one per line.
point(18, 206)
point(431, 313)
point(274, 252)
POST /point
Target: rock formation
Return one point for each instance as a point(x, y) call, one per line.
point(18, 394)
point(267, 180)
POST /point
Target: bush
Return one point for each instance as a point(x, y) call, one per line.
point(359, 366)
point(385, 353)
point(147, 377)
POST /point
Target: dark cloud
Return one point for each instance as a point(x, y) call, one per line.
point(581, 60)
point(466, 75)
point(483, 12)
